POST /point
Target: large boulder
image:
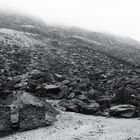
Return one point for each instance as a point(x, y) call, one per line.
point(104, 102)
point(123, 95)
point(90, 109)
point(135, 100)
point(51, 91)
point(125, 110)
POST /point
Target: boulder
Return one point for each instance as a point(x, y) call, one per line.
point(104, 102)
point(32, 85)
point(64, 91)
point(123, 95)
point(90, 109)
point(83, 98)
point(93, 94)
point(73, 108)
point(77, 101)
point(63, 104)
point(41, 76)
point(75, 105)
point(125, 111)
point(58, 77)
point(49, 88)
point(51, 91)
point(135, 100)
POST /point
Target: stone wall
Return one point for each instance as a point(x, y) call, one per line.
point(31, 117)
point(5, 119)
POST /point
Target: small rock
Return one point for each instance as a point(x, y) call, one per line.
point(71, 95)
point(58, 77)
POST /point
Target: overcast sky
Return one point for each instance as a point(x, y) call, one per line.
point(116, 16)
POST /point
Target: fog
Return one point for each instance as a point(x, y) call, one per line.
point(116, 16)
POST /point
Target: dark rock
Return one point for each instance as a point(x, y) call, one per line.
point(135, 100)
point(9, 83)
point(41, 77)
point(126, 111)
point(51, 91)
point(123, 95)
point(101, 113)
point(64, 91)
point(83, 98)
point(32, 85)
point(78, 102)
point(73, 84)
point(73, 108)
point(104, 102)
point(138, 112)
point(78, 92)
point(83, 86)
point(58, 77)
point(63, 103)
point(90, 109)
point(75, 105)
point(93, 94)
point(5, 93)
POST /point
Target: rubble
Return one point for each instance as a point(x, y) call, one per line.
point(68, 69)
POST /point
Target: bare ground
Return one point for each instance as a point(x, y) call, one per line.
point(73, 126)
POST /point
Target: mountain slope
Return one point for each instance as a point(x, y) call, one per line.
point(99, 57)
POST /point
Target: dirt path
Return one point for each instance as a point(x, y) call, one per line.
point(72, 126)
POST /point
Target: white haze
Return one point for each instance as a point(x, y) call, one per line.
point(116, 16)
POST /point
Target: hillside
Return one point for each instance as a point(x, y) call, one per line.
point(66, 51)
point(73, 69)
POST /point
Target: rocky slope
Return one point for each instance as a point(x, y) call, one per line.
point(67, 63)
point(75, 70)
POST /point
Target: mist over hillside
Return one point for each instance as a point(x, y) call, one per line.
point(73, 69)
point(53, 48)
